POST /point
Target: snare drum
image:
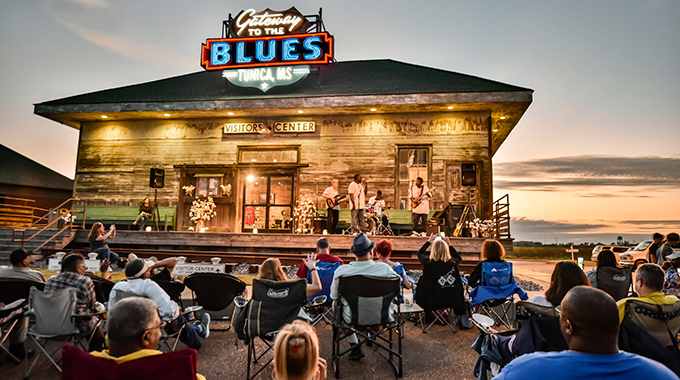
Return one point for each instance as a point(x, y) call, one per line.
point(369, 209)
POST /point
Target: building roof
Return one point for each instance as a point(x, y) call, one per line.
point(352, 78)
point(17, 169)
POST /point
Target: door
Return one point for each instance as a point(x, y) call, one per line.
point(268, 203)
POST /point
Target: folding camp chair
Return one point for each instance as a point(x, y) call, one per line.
point(440, 291)
point(651, 331)
point(176, 365)
point(102, 287)
point(55, 320)
point(273, 305)
point(12, 290)
point(10, 316)
point(497, 291)
point(214, 291)
point(372, 303)
point(173, 288)
point(322, 311)
point(617, 282)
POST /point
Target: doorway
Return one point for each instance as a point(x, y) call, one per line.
point(268, 203)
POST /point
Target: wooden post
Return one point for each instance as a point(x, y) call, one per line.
point(572, 250)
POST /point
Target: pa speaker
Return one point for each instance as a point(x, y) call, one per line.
point(469, 174)
point(157, 178)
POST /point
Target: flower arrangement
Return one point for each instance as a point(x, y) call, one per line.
point(189, 189)
point(303, 215)
point(68, 218)
point(226, 189)
point(202, 210)
point(479, 227)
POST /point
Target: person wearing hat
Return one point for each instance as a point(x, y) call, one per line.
point(139, 283)
point(670, 285)
point(362, 249)
point(20, 269)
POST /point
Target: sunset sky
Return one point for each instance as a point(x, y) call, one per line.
point(597, 154)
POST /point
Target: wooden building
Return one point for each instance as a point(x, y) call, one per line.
point(256, 153)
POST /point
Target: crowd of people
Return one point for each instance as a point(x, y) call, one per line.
point(589, 318)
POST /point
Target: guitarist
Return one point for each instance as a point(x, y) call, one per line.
point(420, 207)
point(332, 198)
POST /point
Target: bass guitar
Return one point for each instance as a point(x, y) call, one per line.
point(332, 202)
point(416, 202)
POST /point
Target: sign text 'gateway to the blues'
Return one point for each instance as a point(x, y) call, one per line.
point(296, 49)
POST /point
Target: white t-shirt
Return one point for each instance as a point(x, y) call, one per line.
point(330, 193)
point(424, 206)
point(378, 205)
point(358, 190)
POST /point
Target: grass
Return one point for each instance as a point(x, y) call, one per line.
point(547, 253)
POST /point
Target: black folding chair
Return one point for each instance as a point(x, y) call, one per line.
point(440, 290)
point(12, 290)
point(214, 291)
point(10, 315)
point(102, 287)
point(617, 282)
point(174, 289)
point(273, 305)
point(373, 306)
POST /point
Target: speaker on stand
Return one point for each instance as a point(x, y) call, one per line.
point(468, 178)
point(156, 181)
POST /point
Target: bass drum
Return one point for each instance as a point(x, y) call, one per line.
point(370, 224)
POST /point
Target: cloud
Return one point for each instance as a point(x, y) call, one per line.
point(588, 231)
point(590, 171)
point(91, 3)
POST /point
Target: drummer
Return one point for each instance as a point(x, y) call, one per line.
point(379, 205)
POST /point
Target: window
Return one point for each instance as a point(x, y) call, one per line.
point(413, 162)
point(268, 156)
point(208, 185)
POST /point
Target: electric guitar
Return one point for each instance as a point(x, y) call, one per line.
point(332, 202)
point(416, 202)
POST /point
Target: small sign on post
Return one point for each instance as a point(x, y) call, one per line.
point(572, 251)
point(189, 268)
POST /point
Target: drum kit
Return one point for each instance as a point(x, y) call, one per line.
point(377, 222)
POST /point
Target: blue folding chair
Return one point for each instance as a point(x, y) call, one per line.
point(399, 268)
point(497, 291)
point(324, 310)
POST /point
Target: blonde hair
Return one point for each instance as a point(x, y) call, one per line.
point(296, 352)
point(271, 270)
point(440, 251)
point(492, 250)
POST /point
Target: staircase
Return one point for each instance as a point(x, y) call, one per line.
point(7, 245)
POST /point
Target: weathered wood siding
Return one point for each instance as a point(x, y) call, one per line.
point(115, 156)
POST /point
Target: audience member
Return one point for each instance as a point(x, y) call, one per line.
point(649, 279)
point(139, 283)
point(133, 330)
point(606, 259)
point(383, 250)
point(593, 351)
point(565, 276)
point(20, 261)
point(364, 265)
point(657, 240)
point(20, 268)
point(667, 248)
point(323, 253)
point(670, 285)
point(493, 252)
point(296, 354)
point(99, 242)
point(73, 276)
point(271, 270)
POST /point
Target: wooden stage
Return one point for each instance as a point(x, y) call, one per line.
point(255, 248)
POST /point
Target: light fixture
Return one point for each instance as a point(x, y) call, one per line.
point(301, 111)
point(230, 113)
point(254, 230)
point(503, 117)
point(450, 107)
point(495, 130)
point(166, 114)
point(104, 116)
point(250, 178)
point(373, 109)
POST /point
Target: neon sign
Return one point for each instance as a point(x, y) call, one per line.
point(250, 23)
point(268, 38)
point(296, 49)
point(265, 78)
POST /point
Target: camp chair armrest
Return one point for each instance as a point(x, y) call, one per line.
point(89, 315)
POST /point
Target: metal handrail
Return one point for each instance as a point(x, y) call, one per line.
point(23, 239)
